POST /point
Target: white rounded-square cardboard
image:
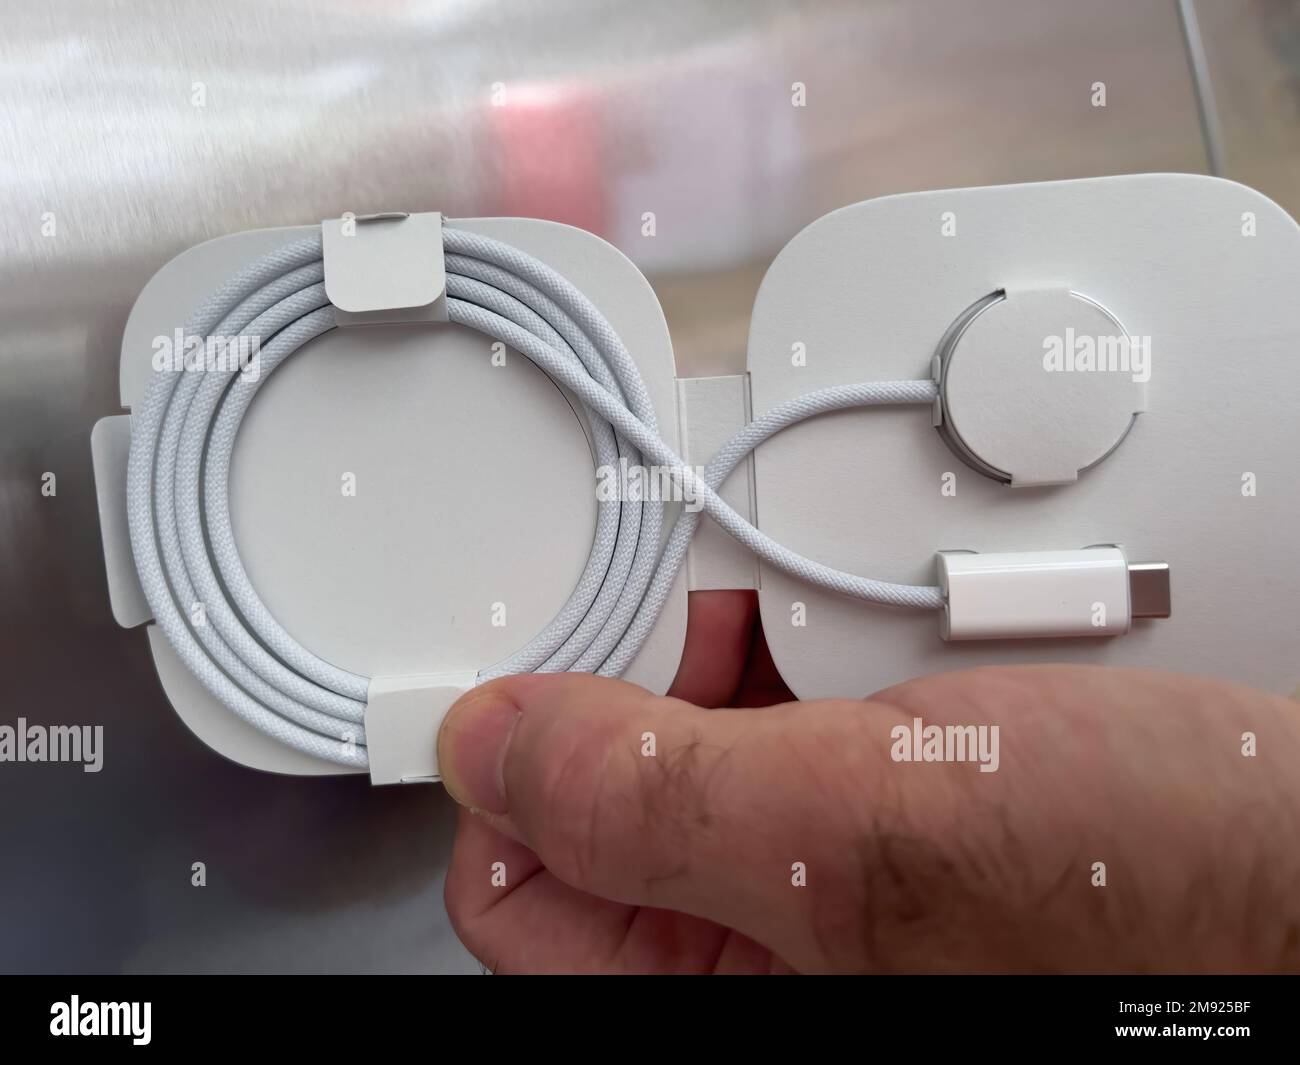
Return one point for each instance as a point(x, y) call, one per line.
point(470, 502)
point(1206, 479)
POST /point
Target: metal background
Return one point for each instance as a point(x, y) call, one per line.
point(610, 111)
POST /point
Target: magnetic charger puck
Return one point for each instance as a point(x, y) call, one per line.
point(1038, 385)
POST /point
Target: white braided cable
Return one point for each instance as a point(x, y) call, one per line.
point(183, 437)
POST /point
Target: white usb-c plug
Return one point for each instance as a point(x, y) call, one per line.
point(1017, 595)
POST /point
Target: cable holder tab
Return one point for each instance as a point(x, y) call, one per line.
point(385, 268)
point(403, 715)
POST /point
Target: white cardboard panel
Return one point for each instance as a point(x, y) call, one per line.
point(869, 291)
point(473, 481)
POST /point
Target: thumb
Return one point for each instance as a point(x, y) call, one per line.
point(748, 818)
point(794, 825)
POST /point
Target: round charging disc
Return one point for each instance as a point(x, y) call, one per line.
point(1038, 385)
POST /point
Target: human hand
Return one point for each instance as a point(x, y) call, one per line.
point(690, 859)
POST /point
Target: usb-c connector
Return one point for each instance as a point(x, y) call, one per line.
point(1017, 595)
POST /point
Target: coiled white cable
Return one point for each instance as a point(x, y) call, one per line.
point(183, 438)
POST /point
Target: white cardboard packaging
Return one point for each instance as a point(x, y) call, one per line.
point(1205, 480)
point(402, 580)
point(473, 509)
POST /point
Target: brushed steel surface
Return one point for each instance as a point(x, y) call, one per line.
point(141, 128)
